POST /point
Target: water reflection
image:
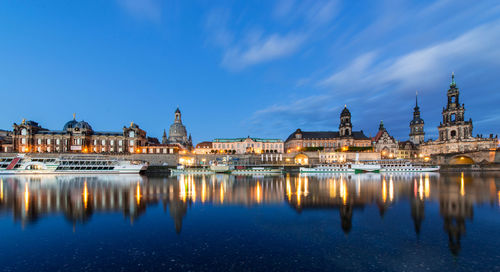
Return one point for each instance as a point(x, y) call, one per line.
point(29, 198)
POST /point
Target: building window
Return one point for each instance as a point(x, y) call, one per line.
point(120, 142)
point(132, 143)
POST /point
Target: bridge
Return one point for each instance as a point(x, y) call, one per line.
point(465, 158)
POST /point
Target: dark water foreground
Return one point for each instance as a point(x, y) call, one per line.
point(358, 223)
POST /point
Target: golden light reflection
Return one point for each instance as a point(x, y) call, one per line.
point(421, 188)
point(192, 188)
point(333, 192)
point(427, 186)
point(343, 191)
point(221, 193)
point(306, 186)
point(498, 198)
point(203, 190)
point(384, 190)
point(26, 197)
point(391, 189)
point(288, 188)
point(299, 191)
point(138, 193)
point(85, 195)
point(1, 189)
point(182, 188)
point(258, 193)
point(462, 186)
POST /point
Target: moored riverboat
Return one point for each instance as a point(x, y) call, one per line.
point(24, 164)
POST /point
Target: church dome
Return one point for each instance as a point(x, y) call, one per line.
point(177, 132)
point(83, 125)
point(70, 124)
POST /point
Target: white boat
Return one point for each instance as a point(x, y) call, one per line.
point(328, 168)
point(221, 168)
point(405, 166)
point(22, 164)
point(256, 170)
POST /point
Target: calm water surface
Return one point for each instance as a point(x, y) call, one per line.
point(351, 222)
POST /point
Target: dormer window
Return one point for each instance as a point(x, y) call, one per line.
point(24, 132)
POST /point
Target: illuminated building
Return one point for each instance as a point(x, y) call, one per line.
point(455, 133)
point(247, 146)
point(343, 139)
point(76, 136)
point(385, 143)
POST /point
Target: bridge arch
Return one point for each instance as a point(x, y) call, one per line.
point(461, 159)
point(301, 159)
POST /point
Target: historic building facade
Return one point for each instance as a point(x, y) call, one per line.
point(76, 136)
point(248, 146)
point(329, 140)
point(455, 132)
point(385, 143)
point(5, 141)
point(177, 134)
point(204, 148)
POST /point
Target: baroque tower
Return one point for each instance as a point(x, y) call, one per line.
point(417, 134)
point(454, 126)
point(345, 127)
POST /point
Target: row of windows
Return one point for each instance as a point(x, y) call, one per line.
point(78, 142)
point(246, 145)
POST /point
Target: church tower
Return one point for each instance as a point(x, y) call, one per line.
point(345, 127)
point(454, 126)
point(164, 139)
point(417, 134)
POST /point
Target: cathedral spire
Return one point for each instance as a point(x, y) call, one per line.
point(416, 99)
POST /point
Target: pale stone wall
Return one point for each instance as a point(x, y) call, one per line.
point(467, 145)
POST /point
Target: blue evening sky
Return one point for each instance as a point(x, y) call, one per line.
point(238, 68)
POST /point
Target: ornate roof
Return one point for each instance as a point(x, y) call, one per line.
point(70, 124)
point(83, 125)
point(345, 112)
point(309, 135)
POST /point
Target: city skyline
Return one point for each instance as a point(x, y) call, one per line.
point(237, 69)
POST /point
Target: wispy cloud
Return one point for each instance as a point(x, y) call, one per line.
point(407, 71)
point(252, 46)
point(150, 10)
point(372, 79)
point(265, 49)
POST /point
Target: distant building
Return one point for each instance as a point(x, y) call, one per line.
point(247, 146)
point(407, 150)
point(5, 141)
point(329, 140)
point(76, 136)
point(339, 157)
point(385, 143)
point(455, 133)
point(177, 134)
point(204, 148)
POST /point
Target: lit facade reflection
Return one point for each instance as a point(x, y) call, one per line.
point(29, 198)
